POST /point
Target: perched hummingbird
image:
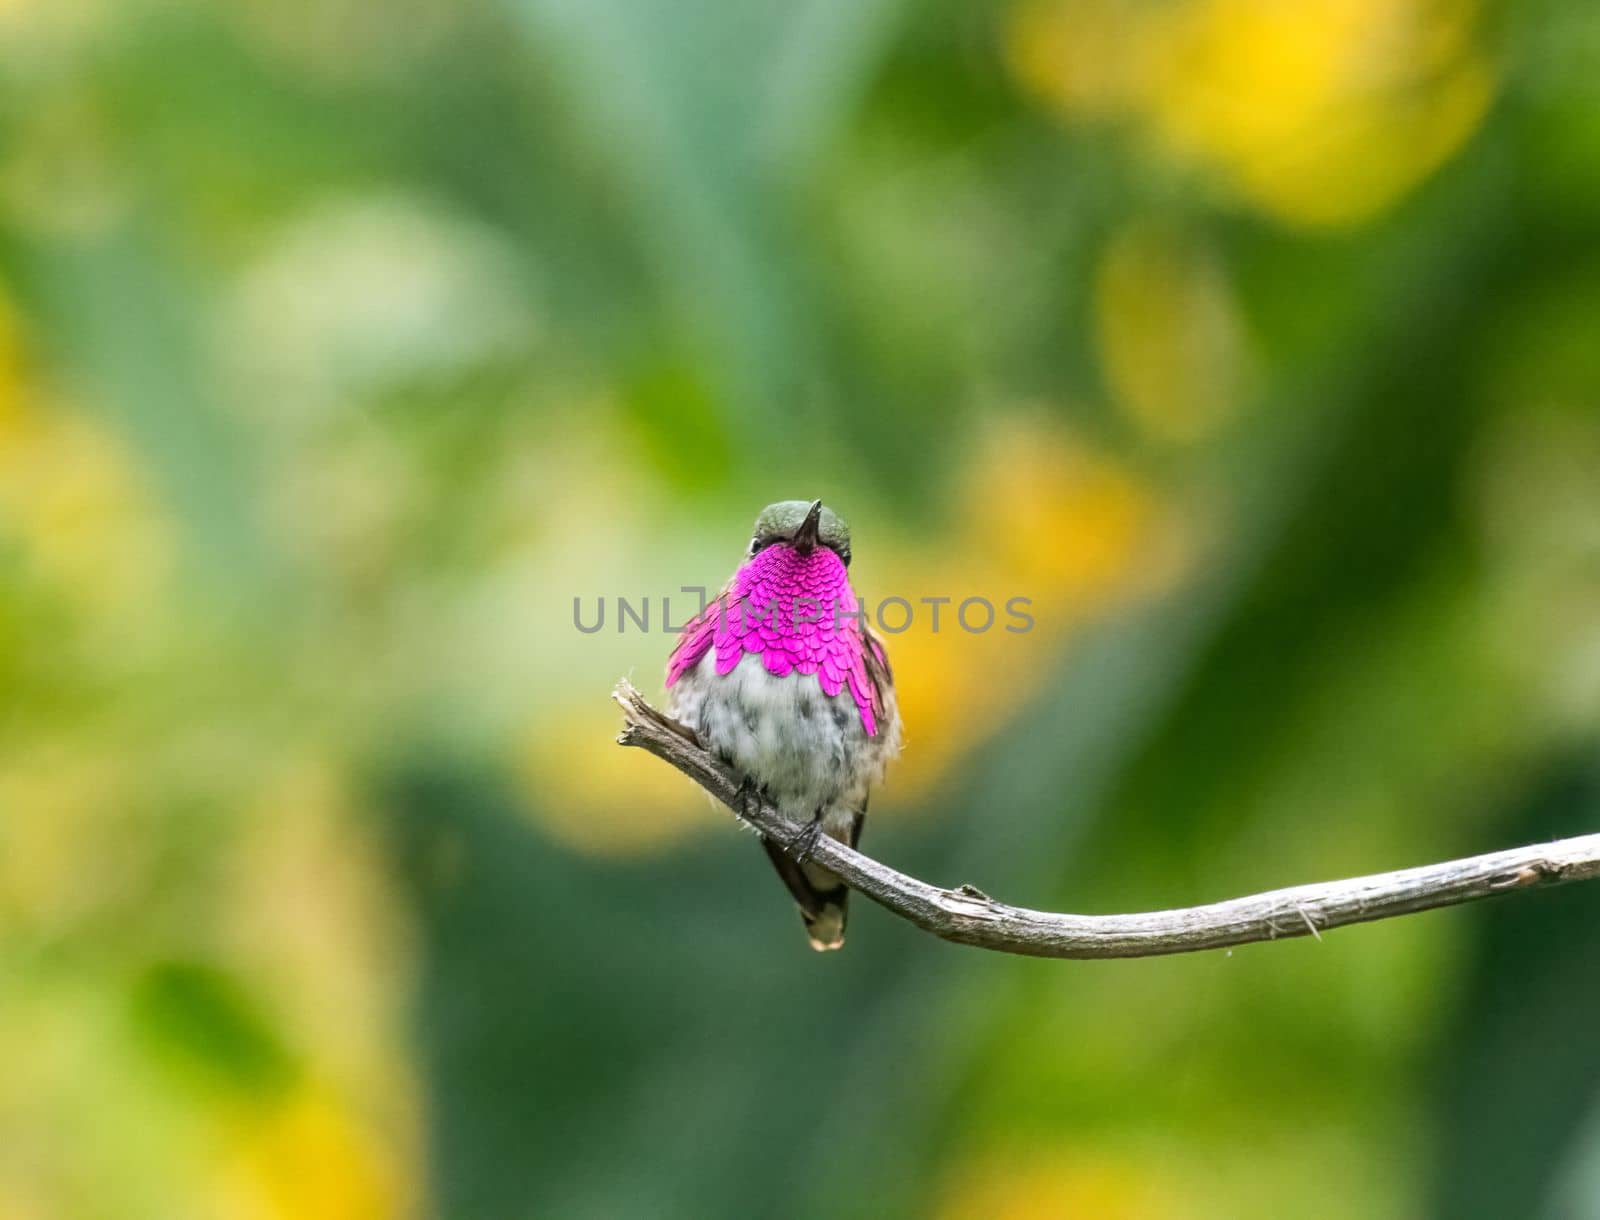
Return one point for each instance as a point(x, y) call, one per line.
point(782, 679)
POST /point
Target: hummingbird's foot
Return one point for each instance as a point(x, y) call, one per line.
point(805, 839)
point(749, 793)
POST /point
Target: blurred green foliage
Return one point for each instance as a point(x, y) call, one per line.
point(343, 344)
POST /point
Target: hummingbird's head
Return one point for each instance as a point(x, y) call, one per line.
point(802, 525)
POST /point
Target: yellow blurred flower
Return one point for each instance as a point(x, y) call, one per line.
point(1042, 517)
point(44, 21)
point(68, 491)
point(1170, 342)
point(56, 798)
point(1092, 59)
point(13, 1205)
point(313, 911)
point(71, 495)
point(1108, 1187)
point(1320, 113)
point(595, 796)
point(310, 1158)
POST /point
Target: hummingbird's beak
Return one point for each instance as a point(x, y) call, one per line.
point(805, 538)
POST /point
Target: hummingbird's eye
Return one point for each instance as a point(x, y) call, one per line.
point(757, 545)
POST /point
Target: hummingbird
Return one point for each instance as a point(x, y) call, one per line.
point(784, 681)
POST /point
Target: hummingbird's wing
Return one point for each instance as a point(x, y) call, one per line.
point(878, 670)
point(870, 678)
point(698, 635)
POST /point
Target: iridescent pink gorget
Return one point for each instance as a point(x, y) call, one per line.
point(799, 614)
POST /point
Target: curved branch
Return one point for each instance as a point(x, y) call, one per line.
point(969, 917)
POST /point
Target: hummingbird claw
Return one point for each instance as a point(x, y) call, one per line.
point(749, 792)
point(805, 839)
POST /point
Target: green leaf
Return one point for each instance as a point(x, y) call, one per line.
point(203, 1025)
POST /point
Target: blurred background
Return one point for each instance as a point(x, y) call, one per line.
point(345, 343)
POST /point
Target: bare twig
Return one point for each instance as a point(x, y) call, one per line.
point(967, 916)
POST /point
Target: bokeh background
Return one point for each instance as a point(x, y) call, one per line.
point(344, 343)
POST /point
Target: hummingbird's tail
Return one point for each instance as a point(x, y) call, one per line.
point(826, 931)
point(823, 899)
